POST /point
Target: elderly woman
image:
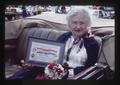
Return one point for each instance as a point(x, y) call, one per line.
point(81, 47)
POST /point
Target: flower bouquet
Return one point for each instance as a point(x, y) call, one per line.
point(54, 71)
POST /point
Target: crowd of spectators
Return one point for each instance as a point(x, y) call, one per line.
point(13, 12)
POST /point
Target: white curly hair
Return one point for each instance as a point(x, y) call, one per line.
point(79, 11)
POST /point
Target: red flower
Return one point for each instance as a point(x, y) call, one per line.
point(52, 65)
point(58, 71)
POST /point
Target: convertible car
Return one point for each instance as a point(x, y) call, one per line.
point(50, 26)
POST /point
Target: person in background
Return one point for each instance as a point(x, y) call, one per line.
point(81, 48)
point(57, 9)
point(24, 12)
point(63, 9)
point(101, 12)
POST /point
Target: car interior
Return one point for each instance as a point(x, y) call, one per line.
point(16, 44)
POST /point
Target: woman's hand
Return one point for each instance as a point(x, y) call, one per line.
point(24, 65)
point(66, 66)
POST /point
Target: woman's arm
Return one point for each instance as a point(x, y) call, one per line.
point(92, 48)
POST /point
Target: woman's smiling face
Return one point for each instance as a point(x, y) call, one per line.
point(77, 25)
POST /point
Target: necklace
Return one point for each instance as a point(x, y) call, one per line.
point(69, 50)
